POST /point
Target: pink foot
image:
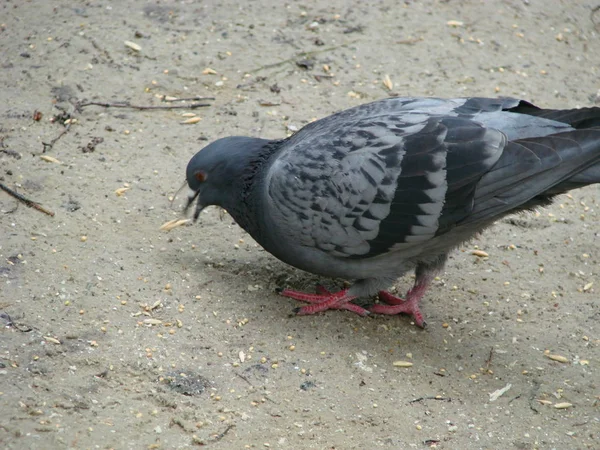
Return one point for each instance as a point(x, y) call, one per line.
point(324, 300)
point(396, 305)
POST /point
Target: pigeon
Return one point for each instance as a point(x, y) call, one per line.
point(375, 191)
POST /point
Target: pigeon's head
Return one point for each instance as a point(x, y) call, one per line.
point(214, 171)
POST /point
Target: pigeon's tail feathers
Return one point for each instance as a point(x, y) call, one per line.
point(578, 118)
point(531, 171)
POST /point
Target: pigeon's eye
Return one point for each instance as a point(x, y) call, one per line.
point(201, 177)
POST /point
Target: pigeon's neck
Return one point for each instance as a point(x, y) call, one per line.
point(246, 206)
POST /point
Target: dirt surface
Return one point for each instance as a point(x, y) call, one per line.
point(117, 335)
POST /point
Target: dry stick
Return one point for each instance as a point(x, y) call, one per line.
point(165, 99)
point(142, 107)
point(220, 436)
point(532, 395)
point(420, 399)
point(48, 146)
point(488, 361)
point(10, 323)
point(25, 200)
point(244, 378)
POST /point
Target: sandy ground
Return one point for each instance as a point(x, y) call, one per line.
point(117, 335)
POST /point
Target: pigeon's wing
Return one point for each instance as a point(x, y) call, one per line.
point(359, 186)
point(400, 172)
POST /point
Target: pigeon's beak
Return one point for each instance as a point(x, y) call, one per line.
point(199, 206)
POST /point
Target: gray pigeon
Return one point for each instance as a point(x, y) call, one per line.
point(377, 190)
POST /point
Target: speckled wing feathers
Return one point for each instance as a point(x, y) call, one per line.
point(335, 195)
point(357, 186)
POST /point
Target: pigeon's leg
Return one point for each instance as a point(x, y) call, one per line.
point(324, 300)
point(410, 305)
point(389, 299)
point(396, 305)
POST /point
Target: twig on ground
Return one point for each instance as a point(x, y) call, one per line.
point(532, 394)
point(140, 107)
point(10, 323)
point(165, 98)
point(220, 436)
point(410, 41)
point(49, 145)
point(244, 378)
point(420, 399)
point(488, 361)
point(25, 200)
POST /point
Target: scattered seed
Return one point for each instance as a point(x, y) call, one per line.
point(402, 364)
point(191, 120)
point(480, 253)
point(48, 158)
point(188, 114)
point(168, 226)
point(209, 71)
point(563, 405)
point(154, 305)
point(387, 82)
point(588, 286)
point(544, 402)
point(454, 23)
point(152, 321)
point(242, 356)
point(558, 358)
point(52, 340)
point(83, 238)
point(133, 46)
point(119, 192)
